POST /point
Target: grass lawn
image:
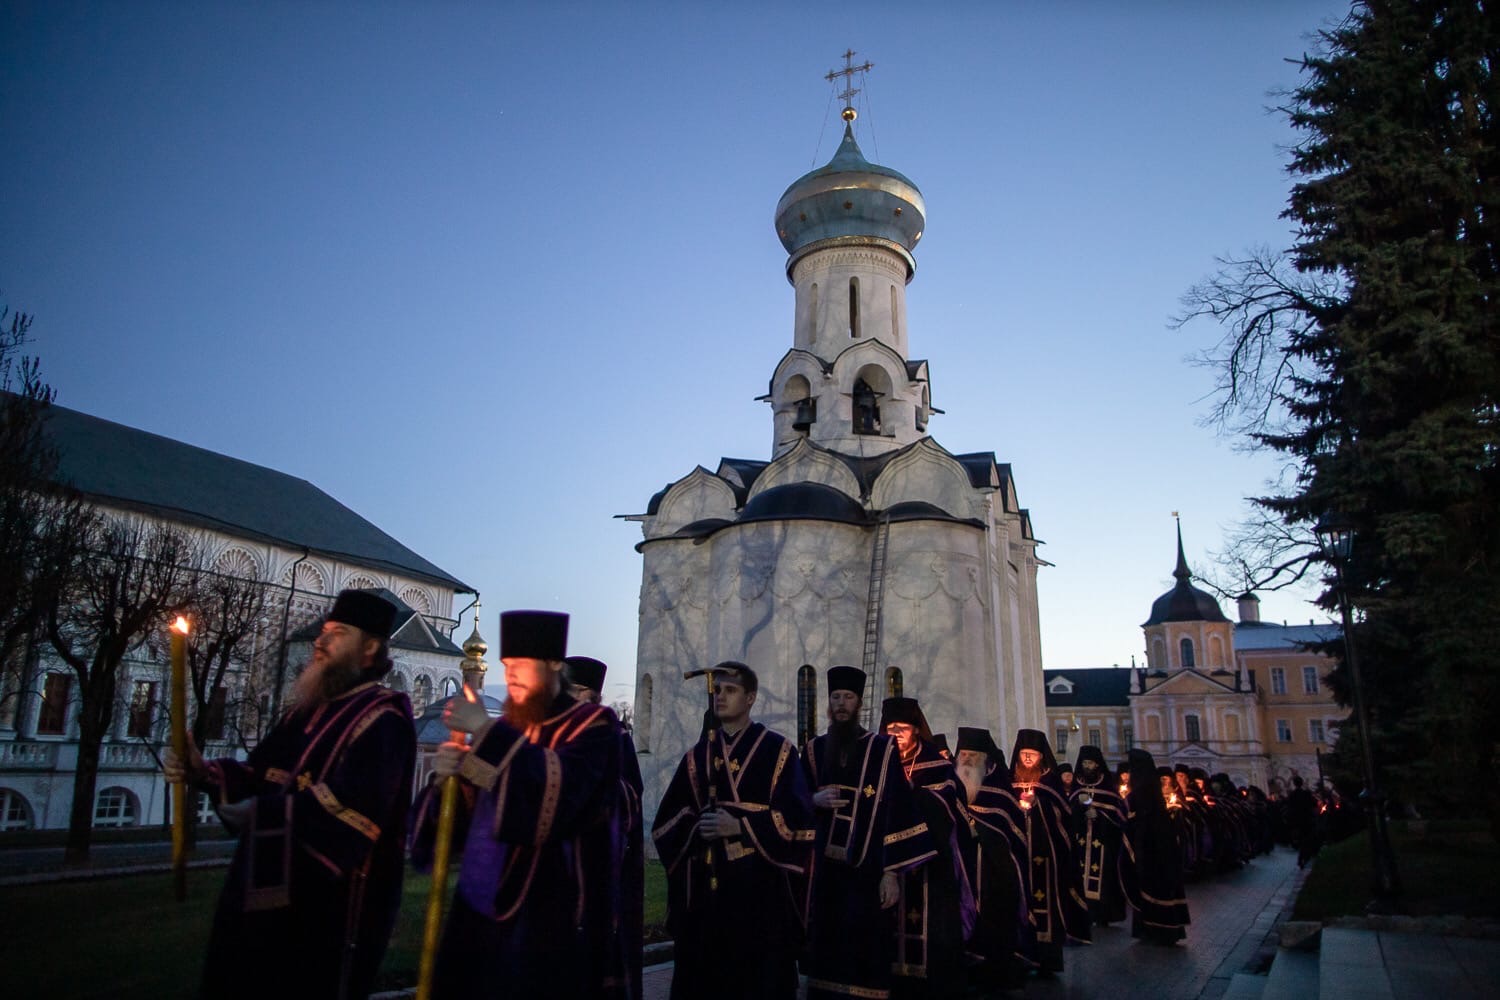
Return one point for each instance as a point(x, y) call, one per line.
point(127, 937)
point(1453, 869)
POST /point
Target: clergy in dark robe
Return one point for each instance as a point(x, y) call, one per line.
point(585, 675)
point(1098, 826)
point(867, 834)
point(320, 805)
point(1153, 873)
point(995, 871)
point(1050, 876)
point(536, 913)
point(735, 832)
point(935, 908)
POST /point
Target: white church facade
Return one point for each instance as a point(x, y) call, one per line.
point(861, 541)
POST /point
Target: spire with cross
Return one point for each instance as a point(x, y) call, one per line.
point(850, 90)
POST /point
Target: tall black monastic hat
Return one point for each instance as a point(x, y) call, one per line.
point(1033, 739)
point(846, 679)
point(366, 611)
point(535, 635)
point(970, 738)
point(585, 671)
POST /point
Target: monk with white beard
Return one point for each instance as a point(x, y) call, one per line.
point(995, 870)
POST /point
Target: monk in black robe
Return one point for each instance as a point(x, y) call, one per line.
point(1097, 828)
point(315, 885)
point(995, 870)
point(1152, 871)
point(735, 832)
point(585, 676)
point(935, 909)
point(537, 913)
point(867, 834)
point(1050, 877)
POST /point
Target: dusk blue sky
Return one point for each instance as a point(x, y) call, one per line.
point(490, 274)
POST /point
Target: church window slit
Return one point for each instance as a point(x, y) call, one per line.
point(807, 704)
point(853, 307)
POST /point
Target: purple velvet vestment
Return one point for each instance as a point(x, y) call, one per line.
point(315, 885)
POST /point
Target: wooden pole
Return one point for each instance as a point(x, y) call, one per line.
point(447, 813)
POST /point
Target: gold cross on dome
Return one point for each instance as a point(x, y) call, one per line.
point(848, 74)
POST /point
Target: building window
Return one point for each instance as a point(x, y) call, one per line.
point(450, 688)
point(895, 684)
point(142, 707)
point(895, 326)
point(642, 730)
point(807, 703)
point(15, 811)
point(213, 726)
point(1094, 739)
point(853, 307)
point(1194, 733)
point(1153, 727)
point(1186, 646)
point(115, 806)
point(421, 694)
point(866, 409)
point(1278, 680)
point(1310, 680)
point(53, 719)
point(1062, 741)
point(1315, 730)
point(1283, 731)
point(1127, 735)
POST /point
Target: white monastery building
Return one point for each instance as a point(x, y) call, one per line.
point(862, 541)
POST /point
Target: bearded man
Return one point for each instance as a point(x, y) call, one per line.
point(537, 913)
point(867, 834)
point(1097, 828)
point(320, 805)
point(995, 871)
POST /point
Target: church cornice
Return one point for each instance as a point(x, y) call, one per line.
point(862, 250)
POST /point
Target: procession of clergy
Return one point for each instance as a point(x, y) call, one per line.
point(876, 861)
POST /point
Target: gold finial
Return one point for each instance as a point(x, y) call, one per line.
point(1177, 515)
point(475, 647)
point(848, 114)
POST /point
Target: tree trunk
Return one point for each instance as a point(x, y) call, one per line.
point(85, 781)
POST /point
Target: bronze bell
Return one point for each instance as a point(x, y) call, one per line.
point(805, 416)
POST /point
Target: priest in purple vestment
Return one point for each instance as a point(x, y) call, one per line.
point(538, 908)
point(320, 805)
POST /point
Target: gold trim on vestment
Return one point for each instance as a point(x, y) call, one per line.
point(339, 811)
point(847, 990)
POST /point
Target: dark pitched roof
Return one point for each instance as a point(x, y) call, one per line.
point(1091, 686)
point(136, 470)
point(410, 630)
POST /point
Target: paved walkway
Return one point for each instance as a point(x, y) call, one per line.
point(30, 865)
point(1232, 921)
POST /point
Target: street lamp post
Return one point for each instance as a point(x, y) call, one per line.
point(1337, 541)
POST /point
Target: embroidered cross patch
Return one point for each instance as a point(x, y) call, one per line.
point(734, 766)
point(869, 791)
point(303, 780)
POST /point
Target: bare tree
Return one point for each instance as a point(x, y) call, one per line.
point(125, 576)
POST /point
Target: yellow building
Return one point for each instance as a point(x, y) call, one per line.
point(1246, 698)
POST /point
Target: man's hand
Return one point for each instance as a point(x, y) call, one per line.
point(716, 823)
point(465, 716)
point(448, 759)
point(193, 770)
point(890, 890)
point(828, 797)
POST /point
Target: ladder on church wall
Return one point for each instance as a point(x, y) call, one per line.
point(874, 620)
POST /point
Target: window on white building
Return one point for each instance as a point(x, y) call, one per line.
point(1095, 740)
point(1062, 741)
point(115, 806)
point(1315, 730)
point(142, 708)
point(1186, 646)
point(53, 718)
point(15, 811)
point(1127, 735)
point(895, 683)
point(1310, 680)
point(1194, 732)
point(421, 694)
point(1278, 680)
point(1283, 731)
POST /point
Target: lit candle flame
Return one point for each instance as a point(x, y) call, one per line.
point(180, 625)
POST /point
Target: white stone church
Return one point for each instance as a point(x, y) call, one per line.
point(862, 541)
